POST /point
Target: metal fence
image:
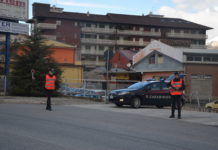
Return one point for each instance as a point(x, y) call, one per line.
point(91, 88)
point(3, 80)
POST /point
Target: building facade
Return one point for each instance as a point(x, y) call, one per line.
point(94, 34)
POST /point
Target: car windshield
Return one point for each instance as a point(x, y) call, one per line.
point(138, 85)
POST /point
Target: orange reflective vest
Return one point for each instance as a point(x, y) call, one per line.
point(177, 84)
point(50, 82)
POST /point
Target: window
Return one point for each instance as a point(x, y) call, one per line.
point(137, 28)
point(159, 59)
point(190, 58)
point(164, 86)
point(75, 24)
point(197, 58)
point(88, 25)
point(155, 86)
point(136, 39)
point(215, 58)
point(152, 59)
point(202, 42)
point(101, 26)
point(90, 58)
point(101, 37)
point(156, 29)
point(111, 26)
point(194, 58)
point(177, 31)
point(101, 48)
point(88, 47)
point(193, 31)
point(207, 58)
point(186, 31)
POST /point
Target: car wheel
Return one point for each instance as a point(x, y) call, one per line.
point(159, 106)
point(209, 109)
point(118, 104)
point(136, 102)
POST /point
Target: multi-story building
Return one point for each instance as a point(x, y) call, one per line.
point(94, 34)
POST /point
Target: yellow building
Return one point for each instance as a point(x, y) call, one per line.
point(65, 55)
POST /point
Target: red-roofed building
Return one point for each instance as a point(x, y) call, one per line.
point(122, 58)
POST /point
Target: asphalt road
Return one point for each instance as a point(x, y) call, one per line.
point(30, 127)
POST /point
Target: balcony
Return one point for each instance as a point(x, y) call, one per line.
point(197, 46)
point(113, 42)
point(139, 33)
point(132, 43)
point(50, 37)
point(92, 63)
point(120, 32)
point(187, 35)
point(97, 41)
point(92, 52)
point(98, 30)
point(47, 26)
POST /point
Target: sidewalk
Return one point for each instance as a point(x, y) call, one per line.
point(42, 100)
point(204, 118)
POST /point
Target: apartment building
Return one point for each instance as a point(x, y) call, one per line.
point(94, 34)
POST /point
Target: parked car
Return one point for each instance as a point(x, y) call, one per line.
point(142, 93)
point(212, 105)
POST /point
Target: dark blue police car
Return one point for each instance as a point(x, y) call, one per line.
point(142, 93)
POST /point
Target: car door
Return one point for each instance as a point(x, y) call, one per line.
point(165, 98)
point(153, 93)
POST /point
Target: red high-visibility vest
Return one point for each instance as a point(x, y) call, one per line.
point(176, 84)
point(50, 82)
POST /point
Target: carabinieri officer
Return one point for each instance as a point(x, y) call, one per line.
point(50, 80)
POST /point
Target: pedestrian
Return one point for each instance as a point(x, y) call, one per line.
point(177, 87)
point(50, 80)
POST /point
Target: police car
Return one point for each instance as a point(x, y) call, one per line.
point(142, 93)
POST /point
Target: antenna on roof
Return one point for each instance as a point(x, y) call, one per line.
point(87, 13)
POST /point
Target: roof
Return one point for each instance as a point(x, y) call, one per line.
point(57, 44)
point(200, 51)
point(43, 10)
point(128, 54)
point(162, 48)
point(173, 52)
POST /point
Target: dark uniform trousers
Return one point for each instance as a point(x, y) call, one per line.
point(176, 103)
point(49, 95)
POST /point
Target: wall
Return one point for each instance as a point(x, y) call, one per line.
point(67, 32)
point(207, 69)
point(169, 64)
point(64, 55)
point(72, 75)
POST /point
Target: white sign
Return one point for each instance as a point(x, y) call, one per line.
point(13, 27)
point(14, 9)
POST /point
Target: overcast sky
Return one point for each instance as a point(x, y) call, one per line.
point(204, 12)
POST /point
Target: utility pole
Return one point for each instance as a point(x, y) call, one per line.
point(107, 99)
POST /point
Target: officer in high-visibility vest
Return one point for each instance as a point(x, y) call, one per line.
point(50, 79)
point(176, 90)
